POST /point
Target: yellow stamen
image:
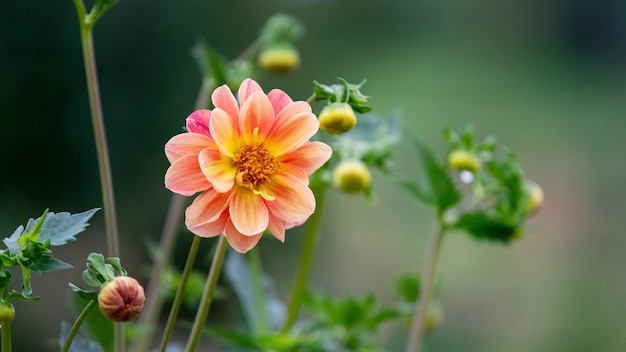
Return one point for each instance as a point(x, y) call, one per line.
point(255, 166)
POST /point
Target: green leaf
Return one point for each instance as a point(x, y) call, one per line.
point(85, 294)
point(440, 187)
point(483, 226)
point(61, 228)
point(408, 286)
point(211, 64)
point(238, 274)
point(48, 263)
point(26, 287)
point(117, 265)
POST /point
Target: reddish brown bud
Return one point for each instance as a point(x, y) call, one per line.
point(121, 299)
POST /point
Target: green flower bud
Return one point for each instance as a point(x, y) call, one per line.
point(337, 118)
point(121, 299)
point(352, 177)
point(279, 58)
point(7, 312)
point(535, 196)
point(434, 315)
point(463, 160)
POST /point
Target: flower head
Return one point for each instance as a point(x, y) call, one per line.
point(251, 159)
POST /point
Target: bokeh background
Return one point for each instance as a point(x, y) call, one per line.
point(548, 78)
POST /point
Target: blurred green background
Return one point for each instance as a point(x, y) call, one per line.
point(548, 78)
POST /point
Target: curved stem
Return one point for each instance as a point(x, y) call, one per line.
point(306, 259)
point(180, 292)
point(416, 332)
point(207, 294)
point(77, 324)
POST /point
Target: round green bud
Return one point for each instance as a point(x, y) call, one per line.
point(7, 312)
point(434, 315)
point(121, 299)
point(352, 176)
point(279, 58)
point(337, 118)
point(463, 160)
point(535, 196)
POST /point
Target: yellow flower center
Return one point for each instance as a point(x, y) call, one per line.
point(255, 166)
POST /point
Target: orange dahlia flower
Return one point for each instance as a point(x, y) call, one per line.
point(251, 160)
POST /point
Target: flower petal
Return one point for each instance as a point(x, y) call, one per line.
point(224, 99)
point(294, 201)
point(279, 100)
point(208, 228)
point(248, 212)
point(186, 144)
point(218, 169)
point(247, 88)
point(309, 157)
point(240, 242)
point(207, 207)
point(225, 132)
point(256, 118)
point(291, 131)
point(185, 177)
point(198, 122)
point(277, 228)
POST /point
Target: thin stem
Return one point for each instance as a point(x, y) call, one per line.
point(416, 332)
point(104, 166)
point(306, 259)
point(180, 292)
point(258, 293)
point(97, 119)
point(207, 294)
point(5, 335)
point(77, 324)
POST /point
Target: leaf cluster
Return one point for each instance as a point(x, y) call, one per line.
point(29, 247)
point(493, 207)
point(343, 92)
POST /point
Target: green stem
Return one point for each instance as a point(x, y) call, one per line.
point(306, 259)
point(256, 272)
point(180, 292)
point(106, 181)
point(97, 120)
point(418, 325)
point(77, 324)
point(207, 295)
point(5, 335)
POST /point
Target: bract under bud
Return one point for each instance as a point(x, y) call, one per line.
point(121, 299)
point(337, 118)
point(279, 58)
point(352, 177)
point(461, 159)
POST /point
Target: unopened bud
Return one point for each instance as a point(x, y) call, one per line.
point(121, 299)
point(337, 118)
point(7, 312)
point(279, 58)
point(535, 196)
point(352, 177)
point(463, 160)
